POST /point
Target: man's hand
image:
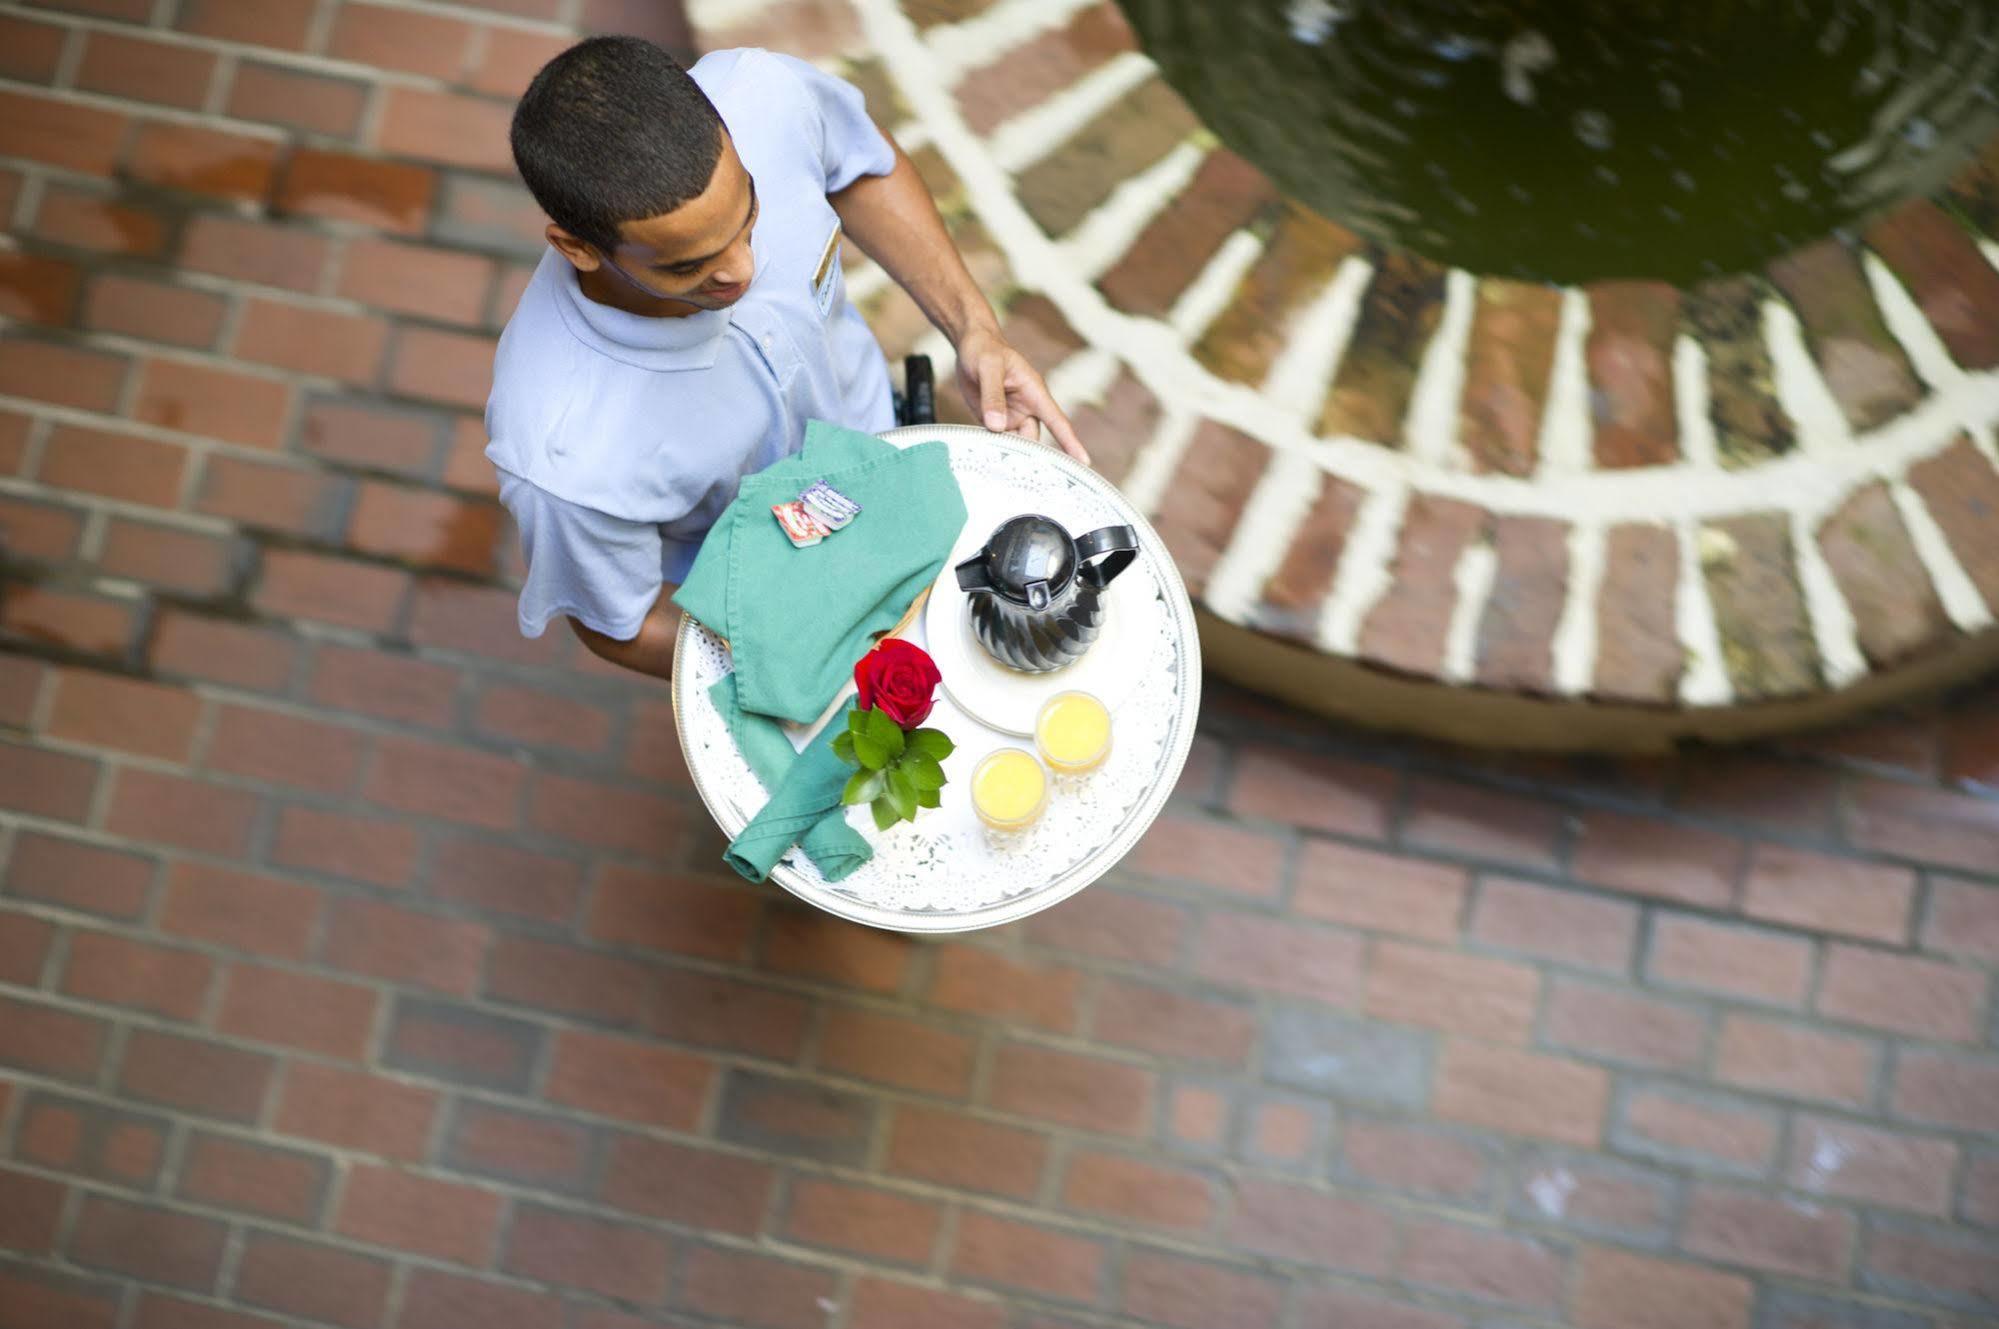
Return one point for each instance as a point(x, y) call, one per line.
point(1008, 393)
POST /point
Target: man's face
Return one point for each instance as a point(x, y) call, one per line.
point(695, 257)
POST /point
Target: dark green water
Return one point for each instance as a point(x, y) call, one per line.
point(1569, 140)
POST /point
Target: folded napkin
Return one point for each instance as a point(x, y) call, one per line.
point(797, 619)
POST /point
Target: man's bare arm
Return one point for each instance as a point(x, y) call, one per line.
point(893, 218)
point(651, 651)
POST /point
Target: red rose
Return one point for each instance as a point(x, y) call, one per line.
point(899, 679)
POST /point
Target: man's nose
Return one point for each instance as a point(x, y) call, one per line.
point(737, 266)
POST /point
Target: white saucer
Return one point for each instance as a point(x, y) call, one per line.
point(1009, 700)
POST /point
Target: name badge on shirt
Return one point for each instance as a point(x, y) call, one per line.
point(827, 275)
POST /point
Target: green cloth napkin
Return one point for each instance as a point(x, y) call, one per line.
point(797, 619)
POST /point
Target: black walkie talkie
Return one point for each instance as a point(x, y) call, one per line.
point(919, 390)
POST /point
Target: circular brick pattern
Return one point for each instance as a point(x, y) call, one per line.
point(1607, 514)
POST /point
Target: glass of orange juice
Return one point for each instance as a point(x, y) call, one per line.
point(1073, 732)
point(1008, 789)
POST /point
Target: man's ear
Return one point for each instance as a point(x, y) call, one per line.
point(582, 255)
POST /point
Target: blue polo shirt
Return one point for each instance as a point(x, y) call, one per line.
point(619, 439)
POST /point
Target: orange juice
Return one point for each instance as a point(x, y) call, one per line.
point(1008, 789)
point(1073, 732)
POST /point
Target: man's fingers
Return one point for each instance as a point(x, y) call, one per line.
point(1043, 405)
point(992, 390)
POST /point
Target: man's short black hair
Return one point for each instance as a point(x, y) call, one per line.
point(614, 130)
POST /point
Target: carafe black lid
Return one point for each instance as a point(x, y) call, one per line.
point(1029, 552)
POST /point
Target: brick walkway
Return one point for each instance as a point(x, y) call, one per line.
point(364, 965)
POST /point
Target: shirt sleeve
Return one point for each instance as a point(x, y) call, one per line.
point(850, 144)
point(601, 570)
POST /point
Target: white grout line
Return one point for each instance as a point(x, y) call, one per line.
point(1960, 596)
point(1801, 389)
point(1575, 645)
point(1568, 435)
point(1316, 342)
point(1473, 578)
point(1085, 376)
point(1704, 681)
point(1691, 405)
point(1364, 573)
point(994, 33)
point(1102, 237)
point(1208, 295)
point(1904, 317)
point(1152, 469)
point(710, 15)
point(1989, 248)
point(1034, 133)
point(1277, 507)
point(1432, 429)
point(1831, 617)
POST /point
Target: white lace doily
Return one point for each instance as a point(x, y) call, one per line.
point(945, 872)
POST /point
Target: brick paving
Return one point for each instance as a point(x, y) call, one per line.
point(364, 965)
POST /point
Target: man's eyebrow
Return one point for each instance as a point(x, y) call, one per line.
point(710, 258)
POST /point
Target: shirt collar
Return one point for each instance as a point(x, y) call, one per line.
point(692, 342)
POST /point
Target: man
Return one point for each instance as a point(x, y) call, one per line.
point(690, 316)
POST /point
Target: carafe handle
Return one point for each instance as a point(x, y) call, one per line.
point(1115, 546)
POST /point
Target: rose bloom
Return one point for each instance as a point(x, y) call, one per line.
point(899, 679)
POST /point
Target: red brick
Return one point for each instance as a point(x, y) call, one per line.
point(40, 1298)
point(284, 748)
point(280, 96)
point(92, 624)
point(543, 1152)
point(794, 1117)
point(1312, 792)
point(1419, 1159)
point(46, 784)
point(1623, 1025)
point(122, 972)
point(179, 1250)
point(1172, 1024)
point(1113, 925)
point(20, 687)
point(329, 343)
point(1931, 826)
point(480, 621)
point(1130, 1190)
point(405, 947)
point(1955, 1267)
point(355, 1110)
point(1903, 994)
point(1948, 1091)
point(463, 1044)
point(1772, 1233)
point(456, 784)
point(442, 366)
point(232, 1173)
point(280, 23)
point(695, 1187)
point(75, 875)
point(1729, 960)
point(82, 220)
point(1964, 919)
point(1299, 1223)
point(1339, 1308)
point(1827, 894)
point(151, 71)
point(1285, 1132)
point(614, 1259)
point(466, 468)
point(37, 289)
point(239, 910)
point(1036, 1259)
point(755, 1291)
point(296, 584)
point(1618, 1290)
point(1189, 1294)
point(361, 848)
point(254, 252)
point(313, 1281)
point(1452, 992)
point(275, 497)
point(1483, 1265)
point(167, 556)
point(511, 59)
point(412, 41)
point(1566, 926)
point(1250, 950)
point(443, 127)
point(203, 161)
point(338, 186)
point(628, 1079)
point(1794, 1060)
point(815, 945)
point(1379, 892)
point(365, 434)
point(194, 1075)
point(440, 284)
point(892, 1050)
point(56, 133)
point(1227, 858)
point(864, 1221)
point(879, 1304)
point(1657, 858)
point(1521, 1093)
point(1481, 824)
point(41, 532)
point(985, 983)
point(188, 814)
point(50, 1042)
point(221, 652)
point(104, 710)
point(966, 1153)
point(116, 465)
point(1072, 1089)
point(558, 977)
point(609, 816)
point(425, 528)
point(725, 1013)
point(1892, 1169)
point(66, 375)
point(1715, 1131)
point(30, 51)
point(446, 1220)
point(499, 877)
point(543, 719)
point(303, 1011)
point(1197, 1116)
point(24, 948)
point(687, 916)
point(390, 687)
point(29, 1209)
point(219, 403)
point(435, 1299)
